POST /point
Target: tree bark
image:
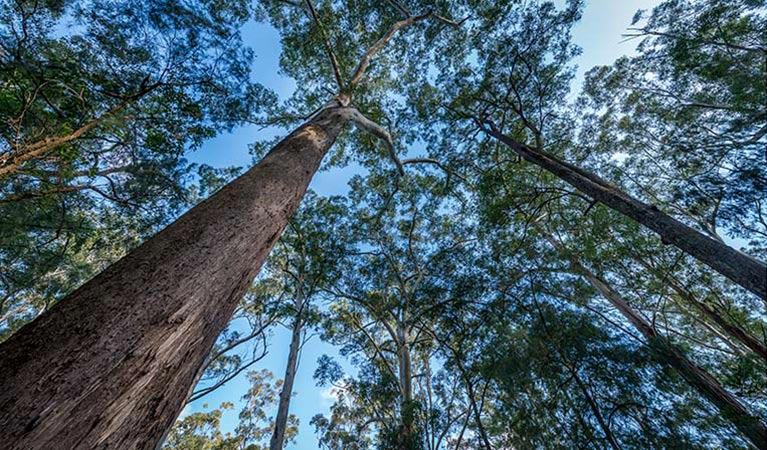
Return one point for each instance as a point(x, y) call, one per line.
point(706, 385)
point(406, 385)
point(738, 267)
point(281, 422)
point(110, 365)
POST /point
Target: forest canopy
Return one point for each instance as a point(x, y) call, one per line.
point(522, 257)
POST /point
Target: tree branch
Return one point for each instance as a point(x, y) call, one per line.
point(377, 130)
point(365, 61)
point(328, 46)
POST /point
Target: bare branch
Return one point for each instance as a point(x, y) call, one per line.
point(447, 21)
point(365, 61)
point(377, 130)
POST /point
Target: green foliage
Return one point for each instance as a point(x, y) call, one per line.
point(99, 102)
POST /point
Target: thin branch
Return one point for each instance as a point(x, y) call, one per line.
point(328, 46)
point(377, 130)
point(365, 61)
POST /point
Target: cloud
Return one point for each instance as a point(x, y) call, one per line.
point(328, 396)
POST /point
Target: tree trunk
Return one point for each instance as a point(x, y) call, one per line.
point(706, 385)
point(738, 267)
point(110, 365)
point(734, 331)
point(406, 385)
point(594, 409)
point(281, 422)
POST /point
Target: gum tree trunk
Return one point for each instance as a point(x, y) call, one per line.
point(110, 365)
point(406, 385)
point(738, 267)
point(281, 422)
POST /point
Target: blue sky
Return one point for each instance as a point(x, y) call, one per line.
point(599, 35)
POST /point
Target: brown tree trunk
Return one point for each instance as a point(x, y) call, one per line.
point(706, 385)
point(738, 267)
point(281, 422)
point(110, 365)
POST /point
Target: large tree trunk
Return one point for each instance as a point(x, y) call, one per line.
point(281, 422)
point(110, 365)
point(738, 267)
point(706, 385)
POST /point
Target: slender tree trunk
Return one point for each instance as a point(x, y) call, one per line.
point(281, 422)
point(406, 384)
point(595, 409)
point(593, 405)
point(110, 365)
point(738, 267)
point(706, 385)
point(734, 331)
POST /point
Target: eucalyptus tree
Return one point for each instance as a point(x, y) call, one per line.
point(407, 251)
point(515, 92)
point(566, 220)
point(120, 353)
point(303, 263)
point(688, 111)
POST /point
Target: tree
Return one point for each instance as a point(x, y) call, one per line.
point(100, 101)
point(303, 264)
point(144, 354)
point(391, 288)
point(516, 96)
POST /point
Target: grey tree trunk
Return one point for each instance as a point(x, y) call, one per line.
point(406, 384)
point(110, 365)
point(707, 386)
point(281, 422)
point(738, 267)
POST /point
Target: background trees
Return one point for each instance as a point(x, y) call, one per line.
point(100, 103)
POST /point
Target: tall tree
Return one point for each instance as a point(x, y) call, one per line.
point(140, 353)
point(517, 96)
point(303, 263)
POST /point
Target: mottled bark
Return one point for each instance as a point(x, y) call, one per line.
point(281, 421)
point(738, 267)
point(666, 352)
point(110, 365)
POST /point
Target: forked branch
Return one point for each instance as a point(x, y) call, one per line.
point(375, 48)
point(378, 131)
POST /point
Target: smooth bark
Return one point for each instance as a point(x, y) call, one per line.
point(111, 365)
point(281, 422)
point(742, 269)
